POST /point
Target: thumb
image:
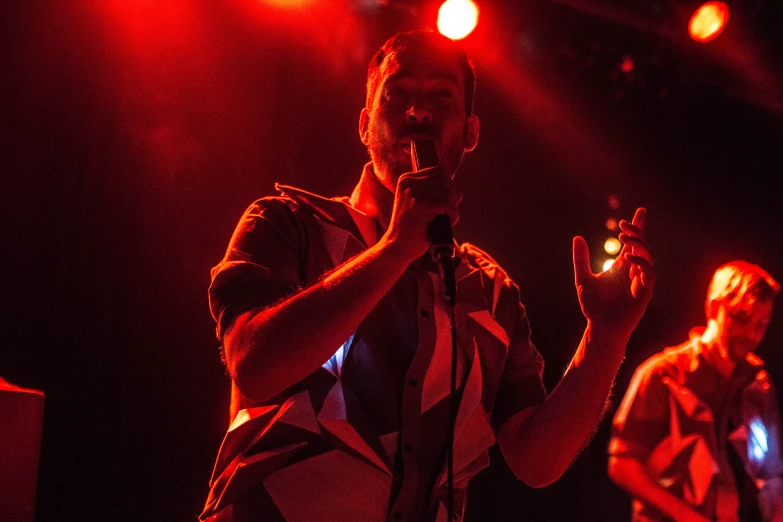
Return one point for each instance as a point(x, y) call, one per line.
point(582, 268)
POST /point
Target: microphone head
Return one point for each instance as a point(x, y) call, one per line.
point(424, 154)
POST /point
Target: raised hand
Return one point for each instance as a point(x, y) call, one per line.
point(421, 196)
point(617, 298)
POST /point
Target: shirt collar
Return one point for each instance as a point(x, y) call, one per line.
point(747, 367)
point(337, 211)
point(344, 212)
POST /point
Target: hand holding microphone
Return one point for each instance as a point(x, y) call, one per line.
point(424, 156)
point(426, 205)
point(439, 236)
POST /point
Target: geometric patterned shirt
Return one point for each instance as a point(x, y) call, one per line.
point(686, 423)
point(363, 437)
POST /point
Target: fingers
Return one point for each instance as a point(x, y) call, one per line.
point(643, 269)
point(633, 237)
point(581, 254)
point(429, 172)
point(427, 193)
point(640, 218)
point(630, 228)
point(636, 246)
point(430, 186)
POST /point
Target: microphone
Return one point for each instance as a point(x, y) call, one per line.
point(424, 155)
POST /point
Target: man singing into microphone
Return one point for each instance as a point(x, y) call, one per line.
point(337, 337)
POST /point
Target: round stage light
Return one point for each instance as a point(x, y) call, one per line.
point(457, 18)
point(708, 21)
point(612, 246)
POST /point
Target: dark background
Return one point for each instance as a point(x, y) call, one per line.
point(134, 134)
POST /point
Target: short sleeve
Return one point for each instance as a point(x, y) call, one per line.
point(643, 417)
point(521, 384)
point(761, 415)
point(262, 262)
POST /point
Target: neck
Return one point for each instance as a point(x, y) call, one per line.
point(373, 199)
point(715, 353)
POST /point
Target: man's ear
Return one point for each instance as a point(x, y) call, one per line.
point(471, 132)
point(364, 123)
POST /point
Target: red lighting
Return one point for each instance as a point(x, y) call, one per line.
point(627, 64)
point(708, 21)
point(457, 18)
point(290, 4)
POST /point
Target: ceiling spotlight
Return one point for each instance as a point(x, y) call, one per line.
point(708, 21)
point(612, 246)
point(457, 18)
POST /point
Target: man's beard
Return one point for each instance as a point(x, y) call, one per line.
point(383, 153)
point(385, 156)
point(740, 348)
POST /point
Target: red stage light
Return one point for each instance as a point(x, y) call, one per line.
point(627, 64)
point(457, 18)
point(290, 4)
point(708, 21)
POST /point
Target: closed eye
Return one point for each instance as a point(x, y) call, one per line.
point(395, 93)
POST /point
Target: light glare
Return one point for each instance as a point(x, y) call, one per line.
point(457, 18)
point(612, 246)
point(608, 264)
point(757, 443)
point(708, 21)
point(290, 4)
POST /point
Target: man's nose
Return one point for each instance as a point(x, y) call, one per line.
point(419, 112)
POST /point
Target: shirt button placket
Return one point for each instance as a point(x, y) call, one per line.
point(410, 432)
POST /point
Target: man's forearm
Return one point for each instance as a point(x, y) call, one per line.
point(541, 446)
point(268, 350)
point(633, 476)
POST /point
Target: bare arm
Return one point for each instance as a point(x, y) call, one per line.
point(632, 476)
point(540, 443)
point(269, 349)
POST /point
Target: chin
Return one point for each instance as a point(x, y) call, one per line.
point(739, 354)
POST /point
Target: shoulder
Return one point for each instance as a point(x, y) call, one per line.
point(265, 219)
point(670, 361)
point(273, 206)
point(290, 209)
point(477, 258)
point(501, 294)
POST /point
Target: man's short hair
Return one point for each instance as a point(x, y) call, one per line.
point(402, 41)
point(738, 285)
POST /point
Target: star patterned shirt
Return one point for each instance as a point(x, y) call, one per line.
point(685, 422)
point(363, 438)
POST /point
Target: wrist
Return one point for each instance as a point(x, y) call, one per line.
point(607, 339)
point(399, 250)
point(607, 333)
point(396, 251)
